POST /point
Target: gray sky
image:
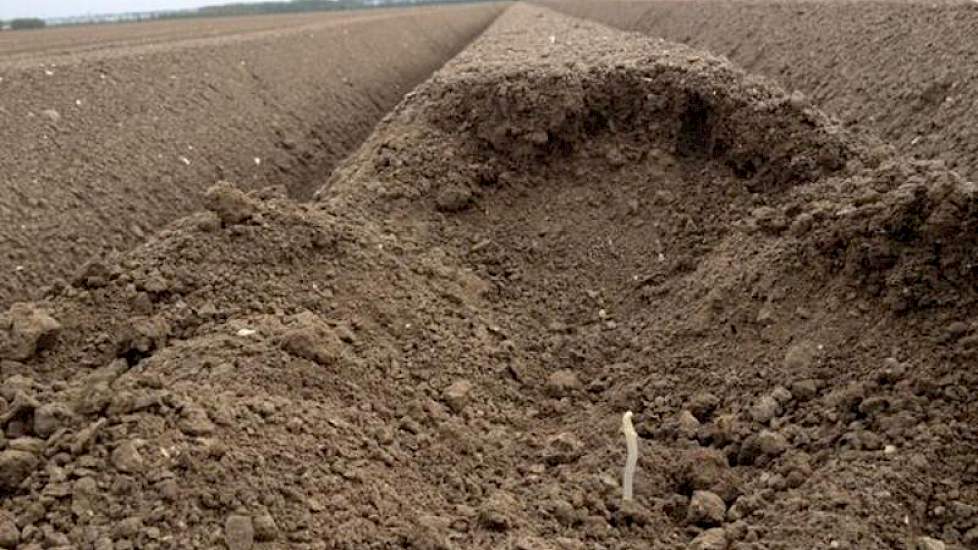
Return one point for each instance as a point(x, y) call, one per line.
point(60, 8)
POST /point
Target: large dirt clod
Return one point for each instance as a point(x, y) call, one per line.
point(15, 467)
point(25, 330)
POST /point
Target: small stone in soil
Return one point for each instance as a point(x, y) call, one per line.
point(126, 458)
point(239, 532)
point(9, 533)
point(702, 405)
point(51, 416)
point(15, 467)
point(564, 448)
point(28, 330)
point(194, 421)
point(765, 409)
point(707, 470)
point(766, 443)
point(266, 529)
point(563, 383)
point(804, 389)
point(633, 513)
point(23, 403)
point(771, 443)
point(688, 424)
point(706, 509)
point(31, 445)
point(453, 198)
point(230, 203)
point(83, 496)
point(928, 543)
point(801, 356)
point(456, 395)
point(498, 510)
point(711, 539)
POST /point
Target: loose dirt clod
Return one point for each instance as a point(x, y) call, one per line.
point(457, 395)
point(706, 509)
point(563, 383)
point(711, 539)
point(229, 203)
point(9, 532)
point(15, 467)
point(26, 330)
point(929, 543)
point(239, 532)
point(266, 529)
point(126, 458)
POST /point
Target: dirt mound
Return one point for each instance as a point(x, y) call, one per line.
point(101, 146)
point(761, 135)
point(899, 68)
point(437, 353)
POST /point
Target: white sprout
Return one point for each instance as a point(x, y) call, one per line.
point(631, 443)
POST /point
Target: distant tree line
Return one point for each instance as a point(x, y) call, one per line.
point(23, 24)
point(241, 8)
point(294, 6)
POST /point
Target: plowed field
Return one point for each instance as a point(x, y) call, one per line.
point(564, 223)
point(109, 132)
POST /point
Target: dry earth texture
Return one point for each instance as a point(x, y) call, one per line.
point(903, 69)
point(564, 223)
point(116, 37)
point(106, 134)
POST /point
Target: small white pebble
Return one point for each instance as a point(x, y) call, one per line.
point(78, 102)
point(185, 160)
point(257, 161)
point(48, 72)
point(246, 332)
point(889, 450)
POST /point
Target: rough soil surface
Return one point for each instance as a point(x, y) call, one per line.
point(565, 223)
point(902, 69)
point(103, 145)
point(81, 40)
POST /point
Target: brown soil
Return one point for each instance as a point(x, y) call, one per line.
point(902, 69)
point(565, 223)
point(104, 144)
point(70, 41)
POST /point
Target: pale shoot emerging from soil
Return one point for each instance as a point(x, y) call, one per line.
point(631, 444)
